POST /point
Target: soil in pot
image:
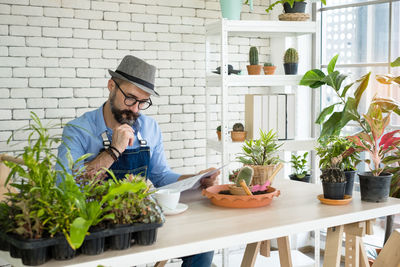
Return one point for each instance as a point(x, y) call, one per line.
point(145, 237)
point(375, 188)
point(254, 69)
point(298, 7)
point(350, 182)
point(334, 190)
point(305, 179)
point(227, 192)
point(290, 68)
point(62, 250)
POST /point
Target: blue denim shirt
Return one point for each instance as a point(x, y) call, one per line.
point(84, 136)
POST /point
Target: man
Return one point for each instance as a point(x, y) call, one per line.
point(122, 139)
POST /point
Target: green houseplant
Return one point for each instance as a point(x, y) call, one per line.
point(336, 146)
point(253, 68)
point(260, 154)
point(291, 6)
point(269, 68)
point(219, 132)
point(238, 134)
point(291, 61)
point(299, 164)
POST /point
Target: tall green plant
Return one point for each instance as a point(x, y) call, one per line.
point(290, 2)
point(260, 151)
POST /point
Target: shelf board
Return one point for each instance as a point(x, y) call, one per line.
point(268, 27)
point(254, 80)
point(288, 145)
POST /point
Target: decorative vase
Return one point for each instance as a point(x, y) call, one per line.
point(238, 136)
point(375, 188)
point(269, 70)
point(231, 8)
point(254, 69)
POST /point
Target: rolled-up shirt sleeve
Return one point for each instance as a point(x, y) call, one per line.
point(159, 172)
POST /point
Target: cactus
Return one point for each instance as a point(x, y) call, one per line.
point(291, 56)
point(246, 173)
point(333, 175)
point(238, 127)
point(219, 128)
point(253, 55)
point(268, 64)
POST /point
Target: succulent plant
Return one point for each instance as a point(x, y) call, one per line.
point(333, 175)
point(219, 128)
point(253, 55)
point(291, 56)
point(238, 127)
point(246, 174)
point(268, 64)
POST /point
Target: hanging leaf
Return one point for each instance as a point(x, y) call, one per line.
point(324, 113)
point(361, 88)
point(395, 63)
point(332, 63)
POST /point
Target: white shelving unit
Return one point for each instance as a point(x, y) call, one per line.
point(278, 32)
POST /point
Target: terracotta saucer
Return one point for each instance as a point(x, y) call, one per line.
point(347, 199)
point(236, 201)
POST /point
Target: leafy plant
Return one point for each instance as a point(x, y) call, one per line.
point(290, 2)
point(393, 166)
point(253, 55)
point(299, 163)
point(268, 64)
point(333, 175)
point(238, 127)
point(336, 146)
point(291, 56)
point(260, 151)
point(233, 174)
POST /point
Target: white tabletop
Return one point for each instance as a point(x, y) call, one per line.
point(204, 227)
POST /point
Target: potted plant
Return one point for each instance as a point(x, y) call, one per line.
point(269, 68)
point(299, 164)
point(260, 154)
point(291, 6)
point(253, 68)
point(290, 61)
point(335, 146)
point(219, 133)
point(238, 134)
point(333, 181)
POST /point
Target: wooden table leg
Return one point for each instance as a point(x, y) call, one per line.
point(333, 246)
point(250, 254)
point(265, 248)
point(285, 257)
point(390, 256)
point(161, 263)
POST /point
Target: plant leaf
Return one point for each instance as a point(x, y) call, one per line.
point(324, 113)
point(334, 80)
point(331, 126)
point(361, 88)
point(312, 77)
point(388, 140)
point(395, 63)
point(332, 64)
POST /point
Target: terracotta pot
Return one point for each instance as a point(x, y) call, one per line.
point(219, 135)
point(269, 70)
point(242, 202)
point(254, 69)
point(262, 173)
point(238, 136)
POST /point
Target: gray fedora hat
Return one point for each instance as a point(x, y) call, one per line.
point(137, 72)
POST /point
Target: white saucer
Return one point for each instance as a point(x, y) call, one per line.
point(179, 209)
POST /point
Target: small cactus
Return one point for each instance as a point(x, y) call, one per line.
point(333, 175)
point(246, 173)
point(238, 127)
point(268, 64)
point(291, 56)
point(219, 128)
point(253, 55)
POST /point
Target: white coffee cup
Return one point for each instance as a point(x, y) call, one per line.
point(168, 199)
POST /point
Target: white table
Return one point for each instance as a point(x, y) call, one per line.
point(204, 227)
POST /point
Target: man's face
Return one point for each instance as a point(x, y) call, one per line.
point(121, 112)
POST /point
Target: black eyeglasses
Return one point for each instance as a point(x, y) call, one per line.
point(131, 101)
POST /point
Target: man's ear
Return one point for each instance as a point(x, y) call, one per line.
point(111, 85)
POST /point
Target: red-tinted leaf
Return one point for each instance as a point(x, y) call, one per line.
point(389, 140)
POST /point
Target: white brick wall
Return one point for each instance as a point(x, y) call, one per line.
point(54, 56)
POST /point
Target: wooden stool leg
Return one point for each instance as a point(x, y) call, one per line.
point(333, 246)
point(352, 251)
point(265, 248)
point(161, 263)
point(390, 256)
point(284, 252)
point(250, 254)
point(363, 255)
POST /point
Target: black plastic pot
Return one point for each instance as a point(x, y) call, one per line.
point(93, 246)
point(146, 237)
point(62, 250)
point(298, 7)
point(121, 241)
point(35, 256)
point(334, 190)
point(350, 182)
point(4, 245)
point(305, 179)
point(290, 68)
point(375, 188)
point(15, 252)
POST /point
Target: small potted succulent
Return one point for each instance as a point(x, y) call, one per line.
point(333, 181)
point(260, 154)
point(290, 61)
point(253, 68)
point(291, 6)
point(269, 68)
point(238, 134)
point(334, 146)
point(299, 164)
point(219, 133)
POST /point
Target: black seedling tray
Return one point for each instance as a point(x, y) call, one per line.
point(146, 231)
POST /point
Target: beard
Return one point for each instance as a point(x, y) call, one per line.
point(124, 116)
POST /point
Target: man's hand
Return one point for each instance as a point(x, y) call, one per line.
point(209, 181)
point(123, 136)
